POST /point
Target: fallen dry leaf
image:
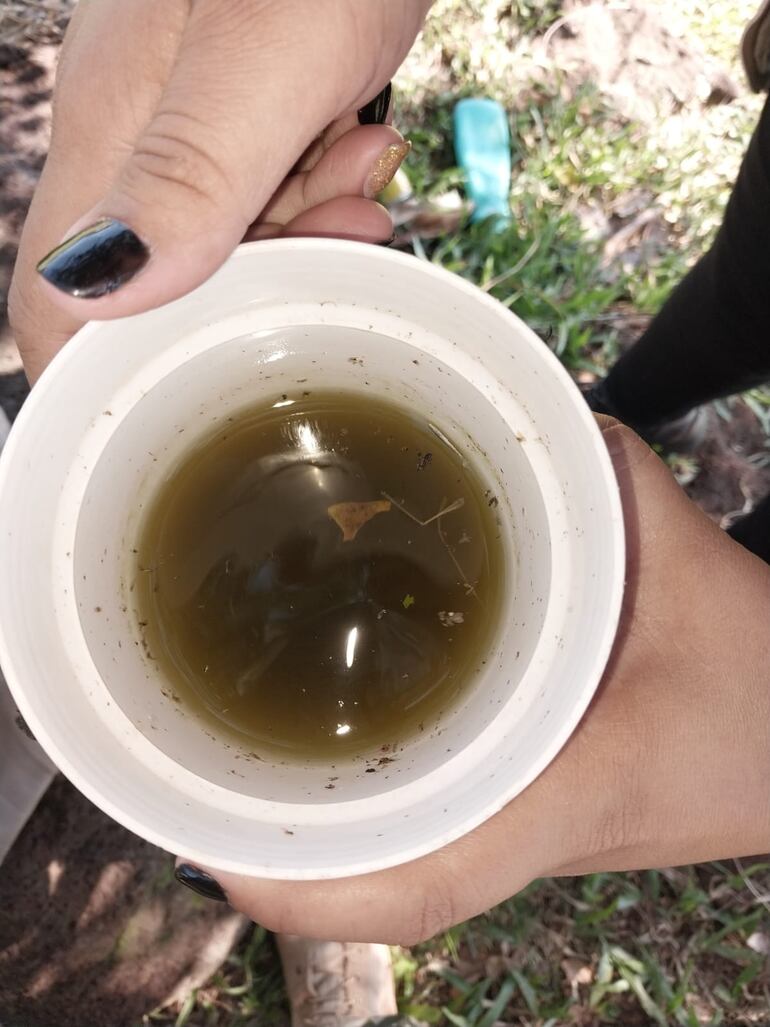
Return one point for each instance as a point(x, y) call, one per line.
point(759, 942)
point(351, 517)
point(576, 973)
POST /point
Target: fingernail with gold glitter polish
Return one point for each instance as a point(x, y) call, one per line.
point(385, 167)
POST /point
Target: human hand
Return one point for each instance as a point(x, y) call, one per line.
point(182, 121)
point(671, 763)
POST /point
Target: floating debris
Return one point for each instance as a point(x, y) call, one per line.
point(448, 618)
point(351, 517)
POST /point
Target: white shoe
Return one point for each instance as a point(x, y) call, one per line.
point(336, 984)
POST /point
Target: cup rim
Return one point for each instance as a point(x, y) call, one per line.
point(24, 430)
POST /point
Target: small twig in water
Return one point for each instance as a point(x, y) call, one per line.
point(443, 510)
point(468, 586)
point(423, 524)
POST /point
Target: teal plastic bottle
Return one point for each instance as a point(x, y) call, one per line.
point(483, 151)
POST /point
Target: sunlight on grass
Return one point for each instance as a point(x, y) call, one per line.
point(574, 159)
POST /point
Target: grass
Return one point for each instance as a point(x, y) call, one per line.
point(657, 947)
point(39, 21)
point(676, 946)
point(248, 991)
point(575, 158)
point(543, 266)
point(685, 946)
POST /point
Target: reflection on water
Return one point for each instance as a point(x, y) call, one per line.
point(259, 610)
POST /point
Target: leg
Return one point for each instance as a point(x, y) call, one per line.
point(753, 530)
point(711, 337)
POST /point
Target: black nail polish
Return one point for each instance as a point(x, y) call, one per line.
point(22, 725)
point(96, 261)
point(375, 112)
point(201, 883)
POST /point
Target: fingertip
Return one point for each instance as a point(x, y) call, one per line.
point(625, 447)
point(605, 421)
point(361, 162)
point(118, 266)
point(200, 881)
point(384, 168)
point(95, 260)
point(323, 909)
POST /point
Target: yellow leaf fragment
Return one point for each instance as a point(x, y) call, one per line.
point(351, 517)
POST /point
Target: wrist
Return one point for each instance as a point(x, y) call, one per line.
point(677, 768)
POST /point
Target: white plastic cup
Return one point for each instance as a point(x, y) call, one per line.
point(111, 417)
